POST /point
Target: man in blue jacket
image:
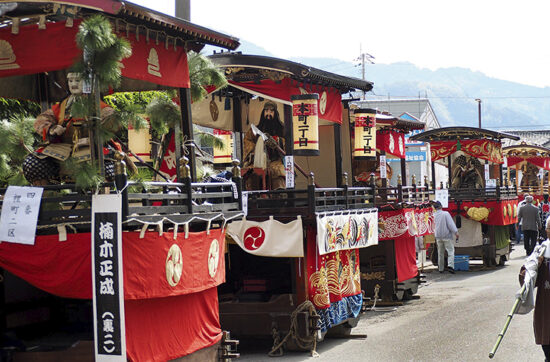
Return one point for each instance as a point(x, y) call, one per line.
point(445, 235)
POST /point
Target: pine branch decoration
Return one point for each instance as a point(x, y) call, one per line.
point(203, 73)
point(102, 51)
point(18, 140)
point(163, 114)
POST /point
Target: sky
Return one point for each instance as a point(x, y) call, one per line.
point(504, 39)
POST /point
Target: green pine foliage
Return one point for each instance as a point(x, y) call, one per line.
point(142, 175)
point(10, 107)
point(208, 139)
point(203, 73)
point(102, 51)
point(163, 114)
point(86, 174)
point(18, 140)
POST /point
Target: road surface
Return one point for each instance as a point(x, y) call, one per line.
point(457, 318)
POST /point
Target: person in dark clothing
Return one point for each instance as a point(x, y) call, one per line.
point(539, 266)
point(528, 216)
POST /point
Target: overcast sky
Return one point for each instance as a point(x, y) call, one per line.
point(504, 39)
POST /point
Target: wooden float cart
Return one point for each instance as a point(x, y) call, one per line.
point(301, 295)
point(480, 198)
point(170, 279)
point(534, 162)
point(389, 270)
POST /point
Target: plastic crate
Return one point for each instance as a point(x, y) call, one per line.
point(462, 262)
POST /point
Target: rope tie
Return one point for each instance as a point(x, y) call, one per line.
point(307, 343)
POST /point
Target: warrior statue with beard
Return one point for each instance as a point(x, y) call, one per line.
point(260, 154)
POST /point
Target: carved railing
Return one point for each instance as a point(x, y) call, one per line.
point(145, 202)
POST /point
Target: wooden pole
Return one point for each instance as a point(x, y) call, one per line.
point(187, 128)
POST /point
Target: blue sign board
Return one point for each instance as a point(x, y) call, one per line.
point(408, 142)
point(410, 156)
point(415, 156)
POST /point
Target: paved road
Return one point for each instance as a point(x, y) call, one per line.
point(457, 318)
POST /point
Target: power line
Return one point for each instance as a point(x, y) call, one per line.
point(536, 127)
point(334, 65)
point(466, 97)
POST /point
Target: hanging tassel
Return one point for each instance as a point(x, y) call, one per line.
point(208, 224)
point(458, 145)
point(176, 226)
point(227, 105)
point(143, 230)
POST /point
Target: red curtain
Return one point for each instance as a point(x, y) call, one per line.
point(540, 162)
point(483, 149)
point(64, 268)
point(502, 212)
point(54, 48)
point(36, 51)
point(391, 142)
point(157, 63)
point(330, 100)
point(163, 329)
point(162, 322)
point(405, 258)
point(333, 276)
point(402, 226)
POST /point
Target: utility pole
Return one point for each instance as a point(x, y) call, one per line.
point(183, 9)
point(479, 111)
point(363, 59)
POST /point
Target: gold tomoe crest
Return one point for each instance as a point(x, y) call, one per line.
point(174, 265)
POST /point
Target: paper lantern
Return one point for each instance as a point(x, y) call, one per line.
point(305, 124)
point(225, 155)
point(365, 134)
point(140, 143)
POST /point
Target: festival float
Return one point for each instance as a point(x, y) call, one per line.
point(119, 270)
point(526, 168)
point(293, 262)
point(483, 205)
point(389, 270)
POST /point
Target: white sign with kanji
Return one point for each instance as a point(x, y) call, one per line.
point(383, 172)
point(289, 170)
point(107, 279)
point(443, 197)
point(19, 216)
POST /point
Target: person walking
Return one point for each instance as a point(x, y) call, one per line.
point(445, 235)
point(544, 211)
point(528, 216)
point(519, 235)
point(537, 270)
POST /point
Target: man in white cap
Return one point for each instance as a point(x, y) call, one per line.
point(528, 216)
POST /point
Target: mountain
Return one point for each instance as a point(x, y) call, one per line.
point(451, 91)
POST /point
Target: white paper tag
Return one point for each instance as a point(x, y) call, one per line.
point(245, 203)
point(20, 214)
point(383, 173)
point(289, 170)
point(443, 197)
